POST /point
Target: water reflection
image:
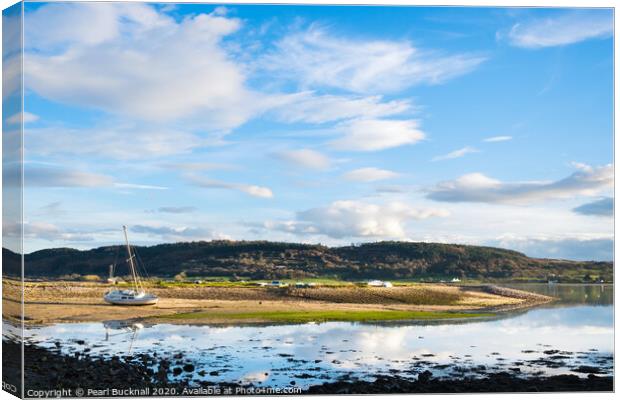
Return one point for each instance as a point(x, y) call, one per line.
point(314, 353)
point(571, 294)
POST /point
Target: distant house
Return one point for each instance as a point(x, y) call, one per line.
point(454, 280)
point(277, 284)
point(378, 283)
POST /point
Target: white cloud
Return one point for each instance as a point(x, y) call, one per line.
point(58, 24)
point(494, 139)
point(376, 134)
point(565, 29)
point(317, 109)
point(26, 116)
point(476, 187)
point(305, 158)
point(252, 190)
point(50, 232)
point(315, 58)
point(137, 62)
point(456, 153)
point(602, 208)
point(370, 174)
point(348, 218)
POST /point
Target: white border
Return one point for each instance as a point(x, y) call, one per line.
point(476, 3)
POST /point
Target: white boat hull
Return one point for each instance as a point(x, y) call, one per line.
point(123, 299)
point(148, 302)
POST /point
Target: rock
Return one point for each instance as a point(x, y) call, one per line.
point(587, 369)
point(425, 376)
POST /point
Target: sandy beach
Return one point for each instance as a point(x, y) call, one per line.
point(65, 301)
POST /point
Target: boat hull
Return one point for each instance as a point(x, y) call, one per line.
point(147, 300)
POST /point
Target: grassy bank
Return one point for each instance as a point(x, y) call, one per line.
point(323, 316)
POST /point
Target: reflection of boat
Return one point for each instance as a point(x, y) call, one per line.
point(131, 297)
point(124, 327)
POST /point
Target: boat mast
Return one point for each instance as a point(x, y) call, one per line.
point(132, 267)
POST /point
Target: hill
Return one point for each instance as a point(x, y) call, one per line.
point(276, 260)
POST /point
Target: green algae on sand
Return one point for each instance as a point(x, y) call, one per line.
point(324, 316)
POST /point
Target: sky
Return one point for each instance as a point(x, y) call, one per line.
point(319, 124)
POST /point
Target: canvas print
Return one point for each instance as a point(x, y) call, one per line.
point(231, 199)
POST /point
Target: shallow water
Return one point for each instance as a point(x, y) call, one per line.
point(572, 333)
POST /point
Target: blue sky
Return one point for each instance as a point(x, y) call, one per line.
point(318, 124)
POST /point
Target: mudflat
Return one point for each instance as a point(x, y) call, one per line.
point(68, 301)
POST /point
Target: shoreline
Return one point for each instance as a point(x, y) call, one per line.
point(71, 302)
point(49, 370)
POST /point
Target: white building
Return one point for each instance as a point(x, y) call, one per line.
point(378, 283)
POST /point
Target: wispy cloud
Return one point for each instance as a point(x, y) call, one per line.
point(172, 233)
point(197, 166)
point(494, 139)
point(456, 153)
point(370, 174)
point(376, 134)
point(45, 175)
point(53, 209)
point(316, 58)
point(567, 28)
point(175, 210)
point(112, 142)
point(305, 158)
point(252, 190)
point(318, 109)
point(583, 248)
point(47, 231)
point(476, 187)
point(139, 186)
point(601, 208)
point(52, 176)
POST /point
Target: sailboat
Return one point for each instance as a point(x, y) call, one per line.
point(131, 297)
